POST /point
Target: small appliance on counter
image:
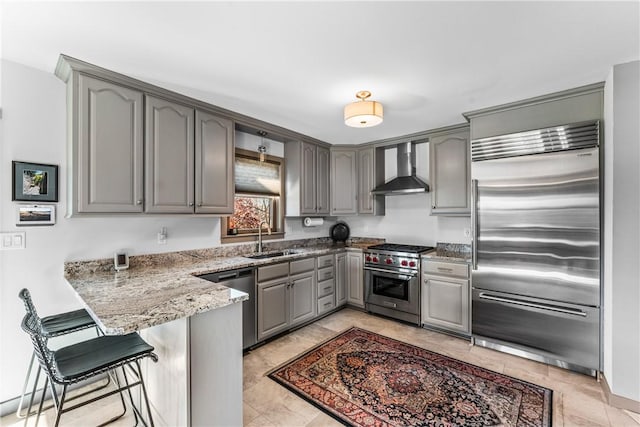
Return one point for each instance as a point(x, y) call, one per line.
point(339, 232)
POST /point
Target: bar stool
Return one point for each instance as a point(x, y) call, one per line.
point(52, 326)
point(82, 361)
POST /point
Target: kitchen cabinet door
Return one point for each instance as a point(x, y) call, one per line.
point(355, 279)
point(308, 202)
point(366, 177)
point(341, 279)
point(107, 156)
point(446, 296)
point(169, 151)
point(214, 164)
point(273, 308)
point(302, 299)
point(322, 180)
point(344, 185)
point(450, 174)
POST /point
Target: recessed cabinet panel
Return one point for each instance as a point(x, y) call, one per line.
point(302, 299)
point(355, 279)
point(308, 179)
point(169, 172)
point(272, 308)
point(450, 174)
point(322, 180)
point(108, 169)
point(366, 183)
point(343, 182)
point(214, 157)
point(341, 279)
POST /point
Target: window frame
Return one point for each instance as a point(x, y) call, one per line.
point(278, 218)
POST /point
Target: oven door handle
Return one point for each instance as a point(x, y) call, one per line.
point(401, 276)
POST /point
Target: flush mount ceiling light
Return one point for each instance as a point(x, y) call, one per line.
point(363, 113)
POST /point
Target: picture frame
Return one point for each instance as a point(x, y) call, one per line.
point(34, 182)
point(27, 215)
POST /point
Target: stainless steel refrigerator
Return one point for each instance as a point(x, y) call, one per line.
point(536, 245)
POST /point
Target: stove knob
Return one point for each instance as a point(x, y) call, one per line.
point(404, 263)
point(368, 258)
point(412, 263)
point(375, 259)
point(389, 261)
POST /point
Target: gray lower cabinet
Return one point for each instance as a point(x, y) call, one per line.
point(341, 279)
point(446, 295)
point(169, 148)
point(106, 169)
point(285, 301)
point(355, 295)
point(449, 173)
point(302, 299)
point(344, 182)
point(273, 308)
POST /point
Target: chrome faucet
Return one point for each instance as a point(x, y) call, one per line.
point(260, 234)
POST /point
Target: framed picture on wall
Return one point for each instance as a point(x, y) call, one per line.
point(34, 182)
point(35, 215)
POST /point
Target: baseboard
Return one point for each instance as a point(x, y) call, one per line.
point(11, 406)
point(618, 401)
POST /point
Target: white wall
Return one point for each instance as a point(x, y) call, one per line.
point(622, 231)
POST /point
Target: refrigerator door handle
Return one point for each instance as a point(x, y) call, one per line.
point(474, 224)
point(540, 306)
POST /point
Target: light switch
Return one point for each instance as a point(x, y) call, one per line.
point(13, 240)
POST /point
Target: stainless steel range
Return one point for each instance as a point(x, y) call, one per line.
point(392, 280)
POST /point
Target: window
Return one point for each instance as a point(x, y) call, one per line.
point(258, 200)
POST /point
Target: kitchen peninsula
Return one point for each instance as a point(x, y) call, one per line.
point(195, 325)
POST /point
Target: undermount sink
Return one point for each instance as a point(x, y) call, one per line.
point(264, 255)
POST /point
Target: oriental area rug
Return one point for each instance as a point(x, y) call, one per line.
point(364, 379)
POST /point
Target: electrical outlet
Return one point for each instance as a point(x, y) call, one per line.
point(13, 240)
point(467, 232)
point(162, 236)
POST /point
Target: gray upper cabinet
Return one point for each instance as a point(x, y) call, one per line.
point(307, 179)
point(214, 157)
point(308, 182)
point(169, 147)
point(449, 173)
point(370, 174)
point(344, 182)
point(106, 169)
point(322, 180)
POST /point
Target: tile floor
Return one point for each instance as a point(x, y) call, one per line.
point(577, 399)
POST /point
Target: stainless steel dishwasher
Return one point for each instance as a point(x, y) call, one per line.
point(243, 280)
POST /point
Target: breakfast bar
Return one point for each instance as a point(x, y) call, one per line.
point(194, 325)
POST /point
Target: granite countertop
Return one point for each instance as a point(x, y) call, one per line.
point(160, 288)
point(451, 252)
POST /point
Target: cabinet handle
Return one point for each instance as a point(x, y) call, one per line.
point(426, 281)
point(139, 202)
point(328, 304)
point(190, 203)
point(328, 288)
point(200, 204)
point(445, 269)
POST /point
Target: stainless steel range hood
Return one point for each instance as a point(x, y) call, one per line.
point(406, 182)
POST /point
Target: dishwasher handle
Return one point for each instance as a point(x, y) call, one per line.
point(224, 276)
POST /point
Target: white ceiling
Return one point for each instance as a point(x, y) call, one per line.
point(296, 64)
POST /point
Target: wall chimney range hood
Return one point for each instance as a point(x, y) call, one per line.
point(406, 182)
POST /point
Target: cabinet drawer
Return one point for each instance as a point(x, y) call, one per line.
point(445, 268)
point(326, 287)
point(325, 304)
point(325, 261)
point(273, 271)
point(302, 265)
point(325, 274)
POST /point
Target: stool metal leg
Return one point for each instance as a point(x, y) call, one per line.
point(33, 393)
point(24, 387)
